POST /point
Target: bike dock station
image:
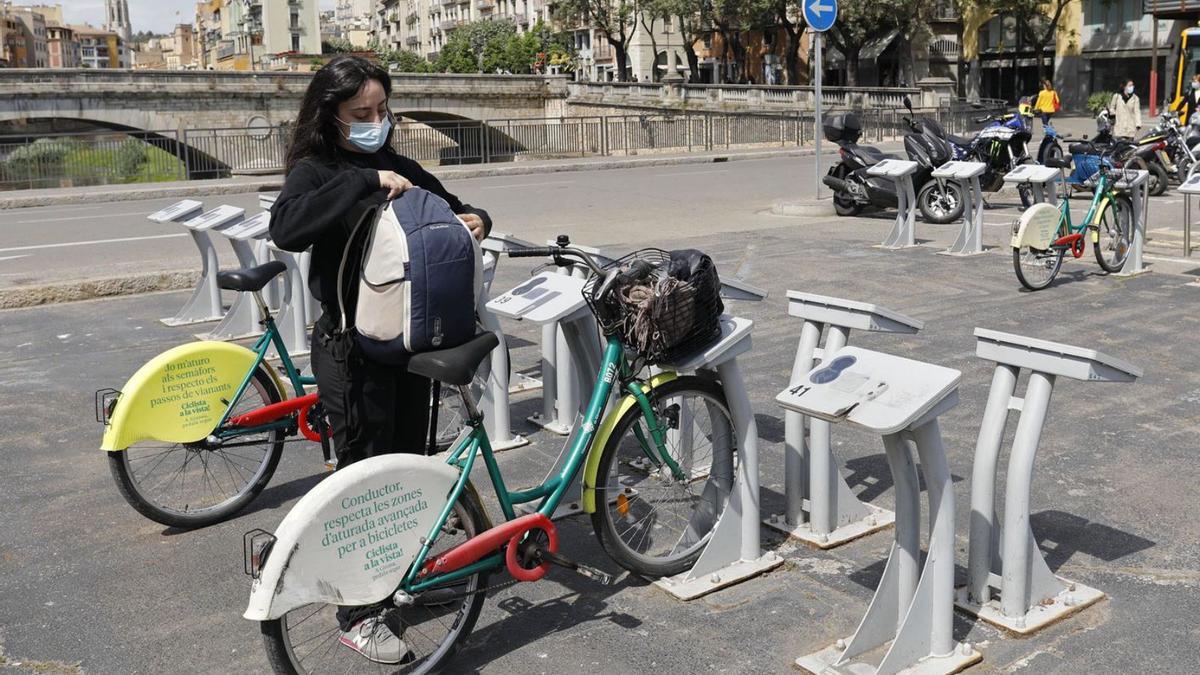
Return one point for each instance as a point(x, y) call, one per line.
point(553, 299)
point(734, 550)
point(1006, 559)
point(1137, 183)
point(205, 301)
point(1040, 180)
point(913, 607)
point(966, 174)
point(494, 397)
point(292, 318)
point(904, 232)
point(821, 508)
point(243, 319)
point(1189, 189)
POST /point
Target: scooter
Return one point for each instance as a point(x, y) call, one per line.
point(855, 189)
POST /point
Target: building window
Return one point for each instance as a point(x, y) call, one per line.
point(295, 42)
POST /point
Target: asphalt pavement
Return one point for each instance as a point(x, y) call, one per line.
point(85, 580)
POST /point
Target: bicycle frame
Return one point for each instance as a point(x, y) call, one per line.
point(551, 491)
point(269, 338)
point(1069, 233)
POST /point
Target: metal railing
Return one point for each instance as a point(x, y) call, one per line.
point(104, 157)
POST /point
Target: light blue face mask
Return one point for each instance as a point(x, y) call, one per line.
point(369, 136)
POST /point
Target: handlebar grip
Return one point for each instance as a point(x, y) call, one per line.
point(543, 252)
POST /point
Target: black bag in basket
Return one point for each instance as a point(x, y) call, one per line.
point(676, 311)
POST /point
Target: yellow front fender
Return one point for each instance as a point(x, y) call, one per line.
point(592, 466)
point(180, 395)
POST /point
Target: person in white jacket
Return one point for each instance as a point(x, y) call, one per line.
point(1127, 110)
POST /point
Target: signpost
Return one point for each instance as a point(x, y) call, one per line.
point(820, 15)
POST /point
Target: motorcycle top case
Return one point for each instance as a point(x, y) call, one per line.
point(842, 128)
point(421, 274)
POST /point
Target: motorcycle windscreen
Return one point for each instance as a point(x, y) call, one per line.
point(351, 539)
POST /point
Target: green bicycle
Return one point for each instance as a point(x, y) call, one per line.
point(404, 542)
point(1044, 233)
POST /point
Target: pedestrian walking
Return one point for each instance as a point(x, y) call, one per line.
point(1127, 109)
point(1191, 99)
point(1047, 103)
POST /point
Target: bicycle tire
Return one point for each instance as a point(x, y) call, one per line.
point(1122, 208)
point(1028, 280)
point(618, 499)
point(277, 635)
point(135, 490)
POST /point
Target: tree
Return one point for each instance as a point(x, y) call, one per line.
point(1036, 25)
point(336, 45)
point(790, 16)
point(859, 22)
point(616, 21)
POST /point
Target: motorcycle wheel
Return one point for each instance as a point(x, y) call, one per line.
point(843, 203)
point(940, 206)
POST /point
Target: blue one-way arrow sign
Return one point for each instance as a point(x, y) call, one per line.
point(820, 14)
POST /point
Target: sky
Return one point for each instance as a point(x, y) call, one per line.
point(159, 16)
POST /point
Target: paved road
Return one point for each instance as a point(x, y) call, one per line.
point(51, 244)
point(85, 579)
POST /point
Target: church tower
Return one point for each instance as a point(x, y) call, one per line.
point(116, 18)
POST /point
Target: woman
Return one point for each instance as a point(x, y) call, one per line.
point(339, 164)
point(1047, 103)
point(1126, 107)
point(1191, 99)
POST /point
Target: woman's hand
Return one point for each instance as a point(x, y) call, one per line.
point(475, 224)
point(394, 183)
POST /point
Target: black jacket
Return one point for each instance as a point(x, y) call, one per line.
point(322, 202)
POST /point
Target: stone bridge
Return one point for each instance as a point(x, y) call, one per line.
point(192, 114)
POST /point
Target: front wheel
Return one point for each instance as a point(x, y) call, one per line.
point(1114, 234)
point(198, 484)
point(653, 515)
point(424, 634)
point(1035, 268)
point(940, 203)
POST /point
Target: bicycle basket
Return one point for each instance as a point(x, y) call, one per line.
point(666, 306)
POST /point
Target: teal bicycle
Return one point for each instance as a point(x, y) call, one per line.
point(657, 468)
point(1044, 233)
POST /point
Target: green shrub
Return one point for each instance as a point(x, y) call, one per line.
point(1098, 101)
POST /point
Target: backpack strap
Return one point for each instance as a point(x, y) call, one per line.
point(368, 215)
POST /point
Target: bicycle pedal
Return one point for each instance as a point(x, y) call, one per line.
point(592, 573)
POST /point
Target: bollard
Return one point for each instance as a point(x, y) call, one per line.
point(734, 550)
point(1006, 559)
point(901, 400)
point(834, 515)
point(970, 236)
point(1138, 184)
point(205, 302)
point(904, 232)
point(244, 319)
point(1189, 189)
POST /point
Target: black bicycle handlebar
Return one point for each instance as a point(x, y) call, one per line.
point(541, 252)
point(558, 252)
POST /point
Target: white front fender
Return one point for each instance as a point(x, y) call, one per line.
point(351, 539)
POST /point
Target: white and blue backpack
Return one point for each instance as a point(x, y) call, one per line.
point(420, 278)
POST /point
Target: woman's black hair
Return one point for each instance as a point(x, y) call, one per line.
point(316, 131)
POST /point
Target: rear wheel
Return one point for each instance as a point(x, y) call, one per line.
point(654, 519)
point(198, 484)
point(843, 203)
point(306, 640)
point(1035, 268)
point(1051, 150)
point(1114, 234)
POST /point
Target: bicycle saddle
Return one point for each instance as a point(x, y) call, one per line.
point(457, 365)
point(1058, 162)
point(250, 278)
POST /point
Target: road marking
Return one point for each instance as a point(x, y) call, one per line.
point(14, 257)
point(88, 243)
point(691, 173)
point(92, 217)
point(521, 185)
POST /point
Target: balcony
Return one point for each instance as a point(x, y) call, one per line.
point(431, 56)
point(485, 5)
point(412, 40)
point(449, 25)
point(520, 18)
point(450, 3)
point(412, 18)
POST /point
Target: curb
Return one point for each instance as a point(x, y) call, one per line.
point(275, 182)
point(88, 289)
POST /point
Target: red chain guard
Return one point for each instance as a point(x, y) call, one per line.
point(485, 543)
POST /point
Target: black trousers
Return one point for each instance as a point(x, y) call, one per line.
point(374, 409)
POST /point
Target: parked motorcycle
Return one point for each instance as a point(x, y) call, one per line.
point(1004, 145)
point(854, 189)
